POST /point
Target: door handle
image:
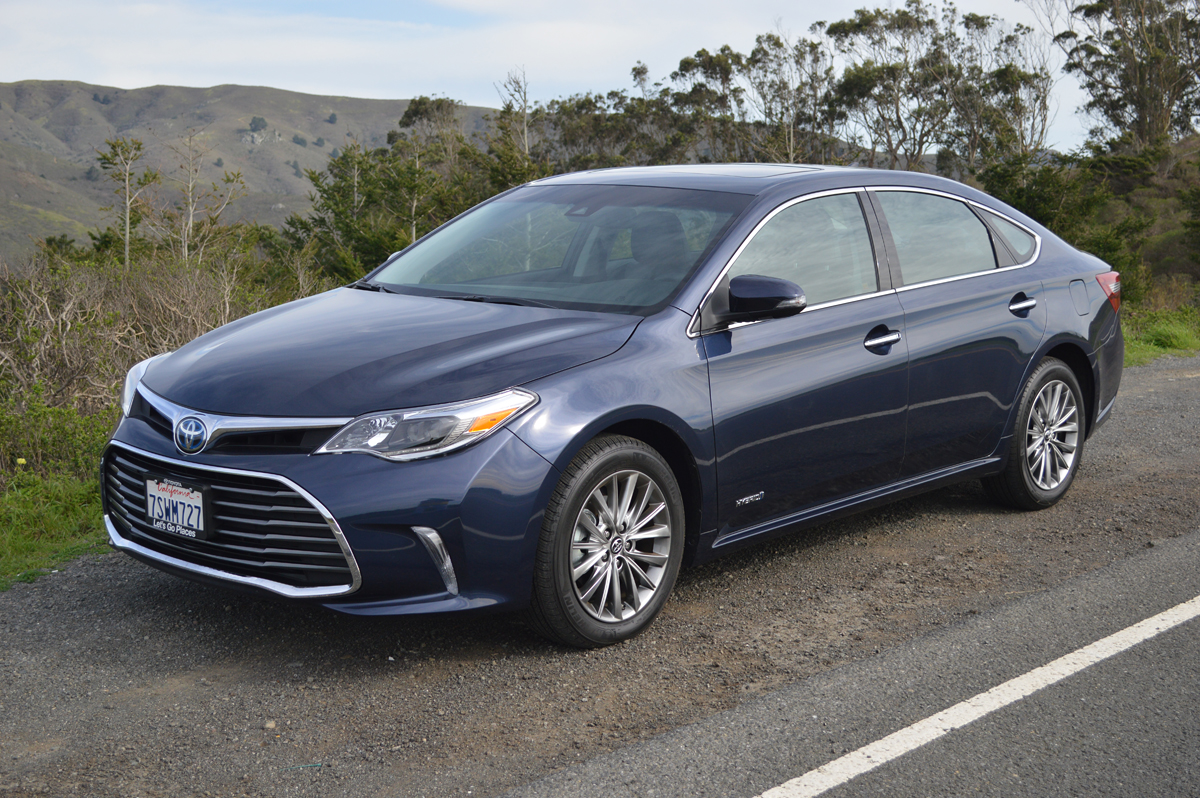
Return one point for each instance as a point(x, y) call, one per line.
point(1022, 305)
point(887, 339)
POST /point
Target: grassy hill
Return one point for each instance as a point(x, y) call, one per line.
point(50, 131)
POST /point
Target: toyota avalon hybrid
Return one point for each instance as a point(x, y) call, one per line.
point(559, 398)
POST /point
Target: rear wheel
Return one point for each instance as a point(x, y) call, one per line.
point(1047, 442)
point(611, 545)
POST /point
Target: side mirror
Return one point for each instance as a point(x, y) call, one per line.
point(753, 297)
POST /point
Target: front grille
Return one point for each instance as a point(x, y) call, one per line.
point(260, 527)
point(304, 440)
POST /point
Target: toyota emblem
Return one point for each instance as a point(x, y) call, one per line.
point(190, 435)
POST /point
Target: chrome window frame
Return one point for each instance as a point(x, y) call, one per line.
point(117, 541)
point(1037, 249)
point(693, 329)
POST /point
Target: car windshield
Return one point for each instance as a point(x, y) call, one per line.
point(624, 249)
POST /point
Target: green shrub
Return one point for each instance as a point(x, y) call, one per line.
point(257, 123)
point(1171, 334)
point(298, 139)
point(1150, 334)
point(36, 438)
point(45, 521)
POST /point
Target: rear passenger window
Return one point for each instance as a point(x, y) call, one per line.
point(935, 237)
point(821, 245)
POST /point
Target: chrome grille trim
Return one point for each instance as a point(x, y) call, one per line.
point(219, 425)
point(121, 498)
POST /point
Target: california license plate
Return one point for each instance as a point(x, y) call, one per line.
point(176, 508)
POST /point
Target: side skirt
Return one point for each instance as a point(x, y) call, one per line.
point(732, 540)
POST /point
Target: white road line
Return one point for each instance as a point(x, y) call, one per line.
point(869, 757)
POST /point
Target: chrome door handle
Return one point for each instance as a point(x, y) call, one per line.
point(883, 340)
point(1023, 305)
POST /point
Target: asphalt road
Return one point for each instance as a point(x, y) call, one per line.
point(118, 680)
point(1129, 725)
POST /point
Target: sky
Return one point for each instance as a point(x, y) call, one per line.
point(397, 50)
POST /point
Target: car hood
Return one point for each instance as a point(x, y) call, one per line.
point(348, 352)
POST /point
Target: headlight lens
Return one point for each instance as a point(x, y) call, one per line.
point(428, 431)
point(131, 382)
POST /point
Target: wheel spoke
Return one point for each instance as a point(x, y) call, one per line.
point(614, 497)
point(641, 505)
point(635, 595)
point(587, 565)
point(1064, 446)
point(618, 604)
point(589, 526)
point(600, 579)
point(656, 531)
point(650, 516)
point(588, 545)
point(649, 557)
point(638, 575)
point(626, 499)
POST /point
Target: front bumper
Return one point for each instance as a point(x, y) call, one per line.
point(483, 504)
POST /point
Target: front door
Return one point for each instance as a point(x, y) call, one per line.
point(810, 408)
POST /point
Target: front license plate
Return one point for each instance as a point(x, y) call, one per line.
point(176, 508)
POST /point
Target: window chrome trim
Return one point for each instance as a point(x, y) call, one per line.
point(693, 329)
point(219, 425)
point(1037, 247)
point(124, 544)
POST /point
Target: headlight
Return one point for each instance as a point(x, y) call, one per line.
point(428, 431)
point(131, 382)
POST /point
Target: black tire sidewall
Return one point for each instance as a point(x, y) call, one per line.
point(592, 473)
point(1050, 370)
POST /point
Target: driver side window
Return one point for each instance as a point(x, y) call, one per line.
point(821, 245)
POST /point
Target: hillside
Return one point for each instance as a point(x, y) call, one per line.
point(50, 131)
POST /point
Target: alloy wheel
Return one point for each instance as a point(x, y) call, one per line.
point(620, 546)
point(1052, 435)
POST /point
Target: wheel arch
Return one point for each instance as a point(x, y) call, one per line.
point(1081, 365)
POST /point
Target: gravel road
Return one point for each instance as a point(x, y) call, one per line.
point(118, 680)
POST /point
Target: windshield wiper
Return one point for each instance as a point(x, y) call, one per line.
point(363, 285)
point(498, 300)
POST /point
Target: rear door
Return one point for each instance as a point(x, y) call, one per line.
point(809, 408)
point(973, 317)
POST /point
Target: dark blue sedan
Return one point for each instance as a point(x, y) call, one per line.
point(560, 397)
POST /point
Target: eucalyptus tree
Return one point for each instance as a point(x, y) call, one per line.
point(891, 87)
point(792, 88)
point(997, 79)
point(1138, 60)
point(709, 93)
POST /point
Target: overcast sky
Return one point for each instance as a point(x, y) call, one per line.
point(397, 50)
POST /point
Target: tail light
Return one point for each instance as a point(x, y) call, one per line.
point(1111, 283)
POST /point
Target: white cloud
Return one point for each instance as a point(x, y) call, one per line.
point(564, 47)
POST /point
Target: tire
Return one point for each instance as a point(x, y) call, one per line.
point(592, 586)
point(1047, 441)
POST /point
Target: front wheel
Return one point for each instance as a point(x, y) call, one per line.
point(1047, 442)
point(611, 545)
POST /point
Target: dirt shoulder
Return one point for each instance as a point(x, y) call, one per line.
point(118, 680)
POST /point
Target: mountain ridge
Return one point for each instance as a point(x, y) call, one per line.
point(51, 130)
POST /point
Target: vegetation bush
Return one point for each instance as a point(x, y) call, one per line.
point(257, 123)
point(298, 139)
point(45, 520)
